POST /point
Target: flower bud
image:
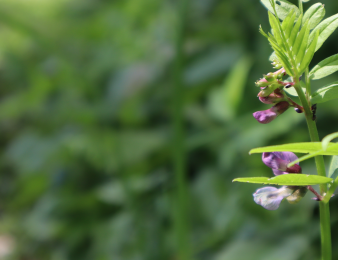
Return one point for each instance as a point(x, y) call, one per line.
point(276, 65)
point(262, 83)
point(270, 77)
point(280, 73)
point(266, 116)
point(273, 98)
point(266, 91)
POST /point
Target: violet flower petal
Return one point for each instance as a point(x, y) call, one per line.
point(271, 197)
point(274, 160)
point(278, 162)
point(265, 116)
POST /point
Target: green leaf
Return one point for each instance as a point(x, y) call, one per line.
point(282, 58)
point(306, 59)
point(276, 31)
point(325, 143)
point(288, 180)
point(314, 14)
point(273, 57)
point(326, 93)
point(325, 29)
point(310, 155)
point(285, 62)
point(283, 8)
point(287, 24)
point(262, 32)
point(291, 91)
point(333, 171)
point(295, 31)
point(301, 37)
point(305, 157)
point(327, 139)
point(324, 68)
point(304, 1)
point(305, 147)
point(303, 45)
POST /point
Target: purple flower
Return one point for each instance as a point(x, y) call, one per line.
point(278, 162)
point(266, 116)
point(270, 197)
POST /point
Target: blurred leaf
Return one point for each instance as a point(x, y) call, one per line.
point(283, 8)
point(325, 29)
point(234, 250)
point(314, 14)
point(211, 64)
point(288, 179)
point(324, 68)
point(291, 248)
point(223, 102)
point(298, 148)
point(325, 93)
point(241, 140)
point(116, 192)
point(272, 57)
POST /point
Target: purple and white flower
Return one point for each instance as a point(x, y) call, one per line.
point(271, 197)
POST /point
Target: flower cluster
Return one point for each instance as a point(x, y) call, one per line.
point(272, 92)
point(271, 197)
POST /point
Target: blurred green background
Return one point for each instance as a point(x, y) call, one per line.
point(87, 155)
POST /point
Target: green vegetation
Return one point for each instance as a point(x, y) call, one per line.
point(87, 132)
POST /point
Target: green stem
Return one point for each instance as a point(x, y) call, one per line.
point(330, 192)
point(324, 210)
point(178, 148)
point(308, 86)
point(300, 4)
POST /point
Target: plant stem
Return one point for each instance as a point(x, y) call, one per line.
point(300, 4)
point(178, 149)
point(324, 210)
point(330, 192)
point(319, 197)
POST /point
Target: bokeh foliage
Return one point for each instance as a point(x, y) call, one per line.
point(85, 119)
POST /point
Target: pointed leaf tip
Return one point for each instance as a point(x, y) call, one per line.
point(288, 180)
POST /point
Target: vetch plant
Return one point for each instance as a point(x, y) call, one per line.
point(295, 37)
